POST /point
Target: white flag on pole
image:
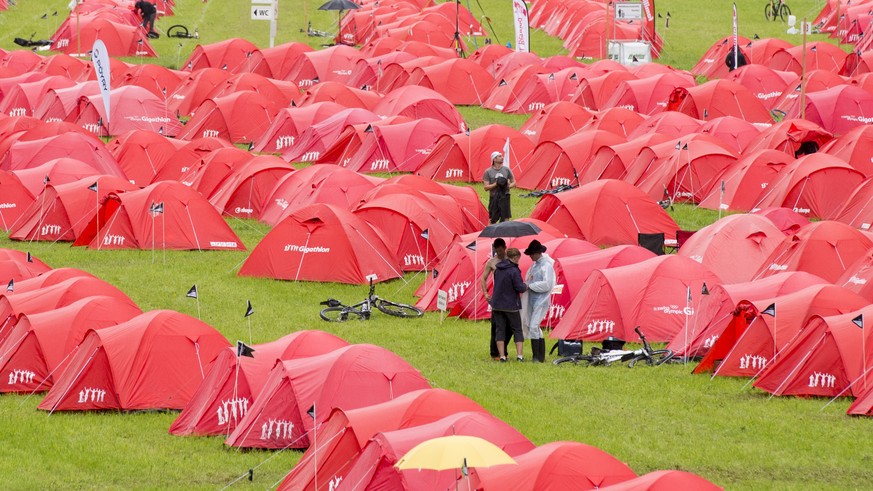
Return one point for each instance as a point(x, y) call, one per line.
point(100, 60)
point(521, 25)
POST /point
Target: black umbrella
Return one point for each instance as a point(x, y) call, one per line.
point(339, 5)
point(510, 229)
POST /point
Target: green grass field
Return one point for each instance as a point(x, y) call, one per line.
point(650, 418)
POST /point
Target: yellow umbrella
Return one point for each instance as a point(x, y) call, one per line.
point(453, 452)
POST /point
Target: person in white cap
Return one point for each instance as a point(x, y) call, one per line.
point(498, 181)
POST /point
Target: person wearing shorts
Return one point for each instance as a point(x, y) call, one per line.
point(499, 249)
point(506, 303)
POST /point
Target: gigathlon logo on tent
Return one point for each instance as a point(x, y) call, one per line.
point(751, 361)
point(6, 206)
point(857, 281)
point(277, 429)
point(305, 249)
point(600, 326)
point(234, 408)
point(823, 380)
point(91, 394)
point(21, 377)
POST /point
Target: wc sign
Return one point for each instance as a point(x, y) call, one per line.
point(263, 10)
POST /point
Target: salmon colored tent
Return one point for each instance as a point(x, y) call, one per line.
point(766, 83)
point(837, 109)
point(76, 38)
point(88, 149)
point(796, 137)
point(605, 212)
point(854, 147)
point(234, 381)
point(814, 81)
point(140, 154)
point(858, 277)
point(245, 190)
point(652, 294)
point(786, 219)
point(552, 164)
point(278, 59)
point(734, 247)
point(420, 102)
point(194, 89)
point(465, 157)
point(41, 344)
point(341, 94)
point(595, 90)
point(460, 80)
point(711, 65)
point(300, 394)
point(184, 161)
point(670, 123)
point(735, 133)
point(309, 237)
point(290, 122)
point(324, 65)
point(718, 98)
point(229, 55)
point(242, 117)
point(159, 80)
point(745, 180)
point(15, 201)
point(165, 215)
point(130, 108)
point(507, 88)
point(819, 55)
point(61, 104)
point(746, 350)
point(154, 361)
point(612, 161)
point(374, 468)
point(278, 91)
point(830, 358)
point(555, 121)
point(48, 278)
point(12, 270)
point(718, 310)
point(318, 137)
point(21, 99)
point(555, 466)
point(856, 210)
point(346, 433)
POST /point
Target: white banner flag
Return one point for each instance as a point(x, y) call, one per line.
point(100, 60)
point(736, 39)
point(522, 28)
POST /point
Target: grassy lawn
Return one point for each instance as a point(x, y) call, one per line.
point(650, 418)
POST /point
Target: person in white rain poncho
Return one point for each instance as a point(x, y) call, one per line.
point(535, 302)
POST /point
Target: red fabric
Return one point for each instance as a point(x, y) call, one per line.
point(555, 121)
point(552, 164)
point(746, 180)
point(464, 158)
point(16, 199)
point(141, 154)
point(131, 108)
point(241, 117)
point(23, 98)
point(244, 192)
point(665, 481)
point(229, 55)
point(88, 149)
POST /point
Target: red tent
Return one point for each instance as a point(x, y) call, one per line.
point(290, 122)
point(309, 237)
point(64, 210)
point(820, 55)
point(61, 104)
point(605, 212)
point(242, 117)
point(234, 382)
point(342, 437)
point(160, 81)
point(188, 158)
point(786, 219)
point(856, 210)
point(766, 83)
point(815, 81)
point(331, 64)
point(74, 38)
point(555, 466)
point(165, 215)
point(12, 270)
point(40, 345)
point(711, 65)
point(795, 137)
point(718, 98)
point(665, 481)
point(21, 99)
point(341, 94)
point(806, 186)
point(214, 167)
point(745, 349)
point(555, 121)
point(612, 161)
point(88, 149)
point(420, 102)
point(320, 183)
point(552, 164)
point(16, 199)
point(317, 138)
point(347, 378)
point(460, 80)
point(465, 157)
point(280, 92)
point(718, 310)
point(508, 89)
point(669, 123)
point(652, 294)
point(244, 192)
point(595, 90)
point(619, 120)
point(831, 357)
point(838, 109)
point(374, 468)
point(130, 108)
point(154, 361)
point(195, 89)
point(745, 180)
point(140, 154)
point(48, 278)
point(854, 147)
point(281, 58)
point(229, 55)
point(824, 248)
point(735, 133)
point(858, 277)
point(863, 405)
point(734, 247)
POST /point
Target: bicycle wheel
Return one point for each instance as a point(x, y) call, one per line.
point(177, 31)
point(655, 358)
point(768, 12)
point(340, 314)
point(784, 12)
point(573, 359)
point(398, 309)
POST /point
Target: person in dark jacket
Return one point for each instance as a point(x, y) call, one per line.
point(148, 11)
point(506, 303)
point(740, 59)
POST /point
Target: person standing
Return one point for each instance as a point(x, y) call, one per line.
point(498, 181)
point(506, 303)
point(499, 249)
point(148, 11)
point(540, 281)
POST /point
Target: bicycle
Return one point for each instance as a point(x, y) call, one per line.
point(612, 352)
point(336, 311)
point(180, 31)
point(774, 8)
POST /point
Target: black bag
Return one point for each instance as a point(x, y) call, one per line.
point(567, 347)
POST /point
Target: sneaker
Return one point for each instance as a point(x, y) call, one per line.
point(520, 358)
point(502, 359)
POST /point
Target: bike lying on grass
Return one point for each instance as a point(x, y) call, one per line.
point(612, 352)
point(336, 311)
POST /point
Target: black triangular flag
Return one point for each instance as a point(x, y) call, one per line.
point(311, 411)
point(29, 257)
point(249, 309)
point(45, 180)
point(242, 349)
point(472, 246)
point(93, 187)
point(859, 321)
point(435, 273)
point(704, 290)
point(192, 293)
point(11, 286)
point(157, 208)
point(770, 310)
point(425, 234)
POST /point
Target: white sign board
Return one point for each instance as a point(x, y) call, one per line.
point(628, 11)
point(558, 289)
point(442, 300)
point(263, 12)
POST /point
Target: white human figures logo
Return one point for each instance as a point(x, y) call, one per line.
point(556, 311)
point(284, 141)
point(334, 483)
point(413, 259)
point(755, 362)
point(277, 429)
point(233, 409)
point(599, 326)
point(91, 394)
point(456, 290)
point(824, 380)
point(710, 341)
point(21, 377)
point(49, 229)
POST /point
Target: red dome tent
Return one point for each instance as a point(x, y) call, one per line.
point(858, 277)
point(317, 138)
point(651, 293)
point(734, 247)
point(244, 192)
point(309, 237)
point(745, 348)
point(214, 167)
point(230, 55)
point(346, 378)
point(242, 117)
point(555, 121)
point(325, 65)
point(827, 359)
point(838, 109)
point(15, 201)
point(711, 65)
point(460, 80)
point(234, 382)
point(595, 90)
point(154, 361)
point(815, 81)
point(278, 91)
point(766, 83)
point(717, 311)
point(346, 432)
point(374, 468)
point(819, 55)
point(120, 39)
point(290, 122)
point(786, 219)
point(160, 81)
point(863, 405)
point(195, 88)
point(555, 466)
point(21, 99)
point(465, 157)
point(795, 137)
point(665, 481)
point(64, 210)
point(854, 147)
point(140, 154)
point(735, 133)
point(88, 149)
point(165, 215)
point(553, 164)
point(341, 94)
point(188, 158)
point(718, 98)
point(745, 180)
point(61, 104)
point(612, 161)
point(281, 58)
point(130, 108)
point(670, 123)
point(605, 212)
point(40, 345)
point(420, 102)
point(824, 248)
